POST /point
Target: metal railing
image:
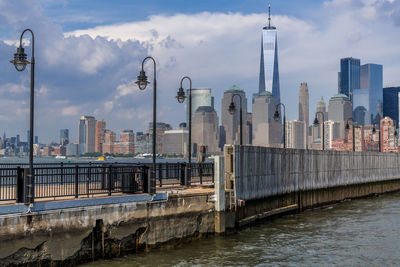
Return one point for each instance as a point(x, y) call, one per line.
point(60, 180)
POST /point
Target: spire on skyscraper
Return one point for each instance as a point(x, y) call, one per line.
point(269, 15)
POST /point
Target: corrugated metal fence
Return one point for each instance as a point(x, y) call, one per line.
point(261, 172)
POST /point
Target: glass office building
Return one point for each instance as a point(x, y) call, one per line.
point(391, 102)
point(368, 101)
point(349, 77)
point(269, 70)
point(200, 97)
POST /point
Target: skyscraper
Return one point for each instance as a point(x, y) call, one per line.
point(340, 110)
point(64, 137)
point(86, 134)
point(205, 129)
point(296, 134)
point(99, 139)
point(230, 122)
point(269, 70)
point(200, 98)
point(266, 131)
point(303, 104)
point(391, 102)
point(349, 76)
point(368, 100)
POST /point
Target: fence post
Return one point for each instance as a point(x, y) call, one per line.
point(182, 173)
point(160, 173)
point(109, 179)
point(29, 191)
point(88, 178)
point(76, 181)
point(200, 168)
point(62, 173)
point(146, 178)
point(20, 185)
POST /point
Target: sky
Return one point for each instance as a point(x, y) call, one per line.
point(88, 54)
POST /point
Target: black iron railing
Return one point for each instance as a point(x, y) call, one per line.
point(58, 180)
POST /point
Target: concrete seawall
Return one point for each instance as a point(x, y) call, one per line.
point(75, 235)
point(250, 184)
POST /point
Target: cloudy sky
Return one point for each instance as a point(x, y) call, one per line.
point(88, 54)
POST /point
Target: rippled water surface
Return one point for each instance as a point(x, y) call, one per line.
point(364, 232)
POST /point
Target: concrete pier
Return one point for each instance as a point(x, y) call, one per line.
point(251, 183)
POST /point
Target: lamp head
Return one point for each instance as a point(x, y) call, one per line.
point(20, 61)
point(232, 108)
point(180, 95)
point(276, 115)
point(316, 122)
point(142, 80)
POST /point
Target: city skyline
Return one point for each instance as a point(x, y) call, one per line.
point(69, 85)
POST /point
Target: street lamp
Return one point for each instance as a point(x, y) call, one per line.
point(142, 84)
point(181, 97)
point(316, 122)
point(232, 110)
point(379, 140)
point(20, 63)
point(276, 118)
point(347, 128)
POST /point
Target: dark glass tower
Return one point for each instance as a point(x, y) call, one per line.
point(391, 102)
point(349, 76)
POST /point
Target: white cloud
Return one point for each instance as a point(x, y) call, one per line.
point(70, 111)
point(91, 70)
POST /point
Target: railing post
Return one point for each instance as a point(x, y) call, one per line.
point(62, 173)
point(20, 185)
point(76, 181)
point(29, 191)
point(88, 178)
point(160, 173)
point(146, 178)
point(109, 179)
point(200, 168)
point(182, 173)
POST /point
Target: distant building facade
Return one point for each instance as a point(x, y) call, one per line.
point(387, 135)
point(391, 107)
point(266, 131)
point(176, 142)
point(99, 139)
point(368, 100)
point(205, 129)
point(86, 135)
point(200, 98)
point(296, 134)
point(340, 110)
point(230, 122)
point(349, 76)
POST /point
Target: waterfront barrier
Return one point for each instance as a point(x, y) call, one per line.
point(262, 172)
point(59, 180)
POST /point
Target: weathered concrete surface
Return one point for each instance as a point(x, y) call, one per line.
point(71, 236)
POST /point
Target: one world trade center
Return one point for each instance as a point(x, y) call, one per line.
point(269, 71)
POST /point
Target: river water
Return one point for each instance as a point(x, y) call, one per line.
point(363, 232)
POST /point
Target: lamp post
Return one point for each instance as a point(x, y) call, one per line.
point(316, 122)
point(232, 110)
point(379, 139)
point(181, 97)
point(142, 84)
point(347, 128)
point(20, 63)
point(276, 118)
